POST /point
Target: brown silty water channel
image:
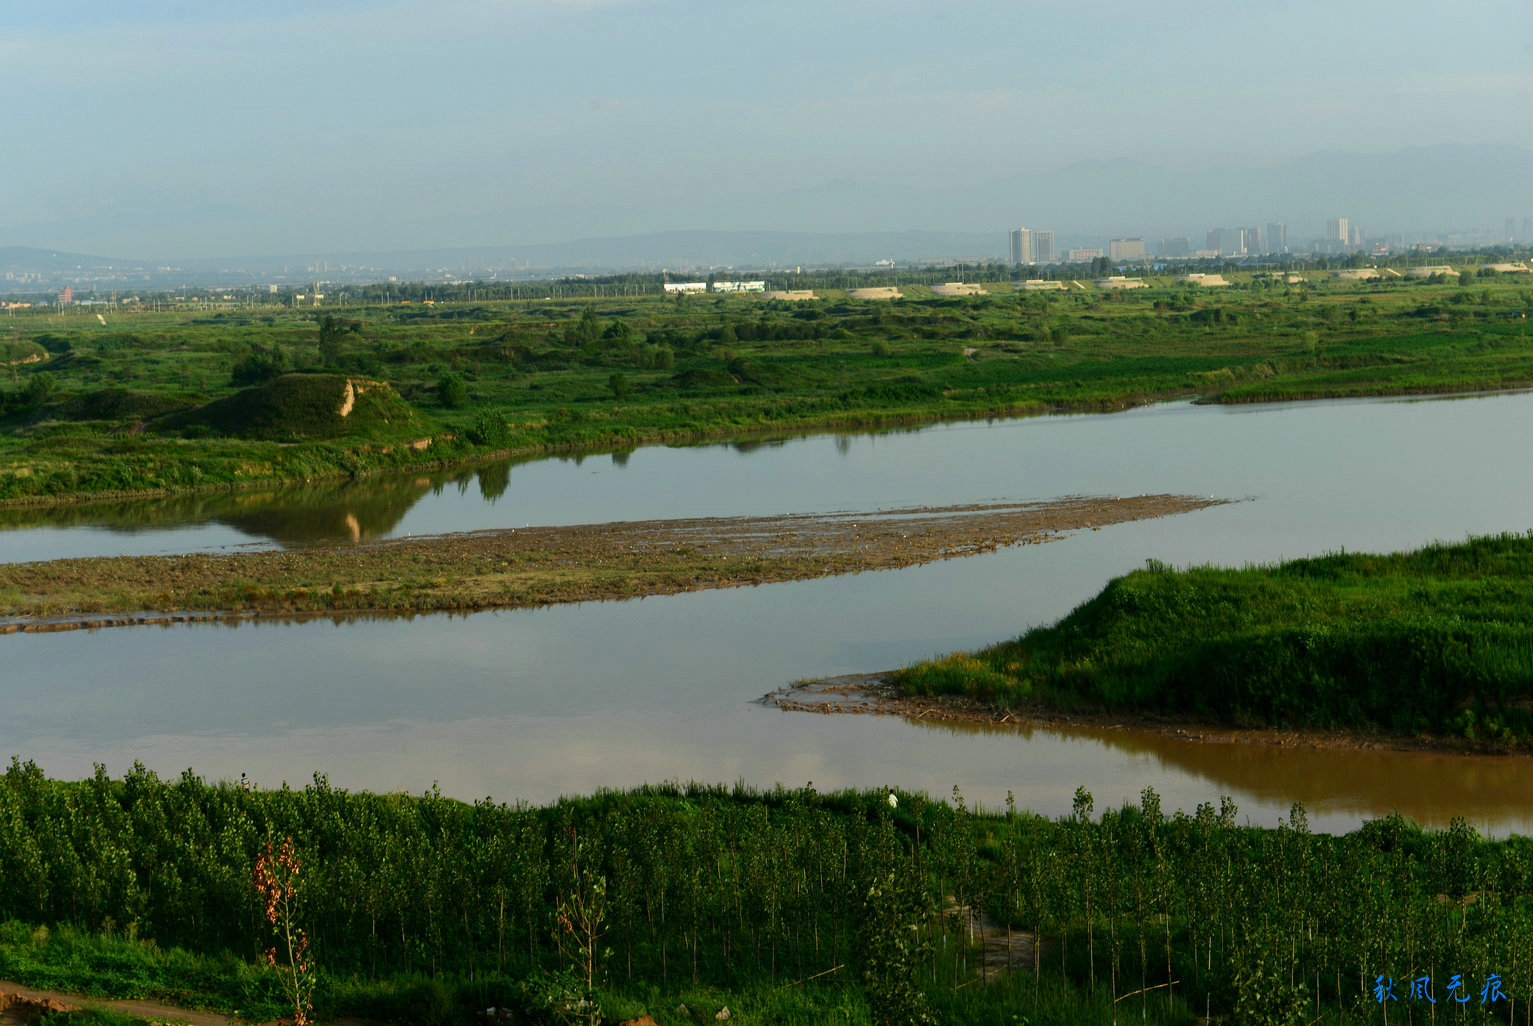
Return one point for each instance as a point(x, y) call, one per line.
point(535, 703)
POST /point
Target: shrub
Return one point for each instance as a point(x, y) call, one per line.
point(452, 391)
point(489, 430)
point(38, 389)
point(258, 366)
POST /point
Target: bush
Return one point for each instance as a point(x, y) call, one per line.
point(38, 389)
point(258, 366)
point(452, 391)
point(881, 348)
point(489, 430)
point(619, 385)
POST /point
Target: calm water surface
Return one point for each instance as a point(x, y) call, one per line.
point(533, 704)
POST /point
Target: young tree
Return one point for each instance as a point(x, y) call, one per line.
point(276, 880)
point(452, 391)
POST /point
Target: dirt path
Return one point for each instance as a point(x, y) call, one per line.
point(1000, 949)
point(19, 1004)
point(536, 566)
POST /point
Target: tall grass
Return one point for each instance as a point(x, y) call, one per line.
point(1439, 640)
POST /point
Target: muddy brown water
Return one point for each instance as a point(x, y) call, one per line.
point(533, 704)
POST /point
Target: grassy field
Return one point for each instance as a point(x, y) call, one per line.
point(786, 906)
point(240, 394)
point(1437, 641)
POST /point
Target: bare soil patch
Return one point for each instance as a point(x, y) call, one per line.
point(20, 1005)
point(539, 565)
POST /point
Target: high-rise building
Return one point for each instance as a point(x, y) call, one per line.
point(1043, 247)
point(1357, 238)
point(1179, 246)
point(1126, 249)
point(1253, 240)
point(1021, 246)
point(1227, 241)
point(1082, 256)
point(66, 295)
point(1277, 237)
point(1337, 231)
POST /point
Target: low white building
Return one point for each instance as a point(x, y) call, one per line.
point(1039, 285)
point(1428, 271)
point(1208, 280)
point(1118, 281)
point(739, 286)
point(686, 287)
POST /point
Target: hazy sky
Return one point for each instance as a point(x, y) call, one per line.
point(183, 129)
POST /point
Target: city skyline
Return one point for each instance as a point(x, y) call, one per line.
point(159, 130)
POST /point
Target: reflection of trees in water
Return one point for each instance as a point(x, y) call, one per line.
point(620, 458)
point(753, 444)
point(1430, 787)
point(494, 479)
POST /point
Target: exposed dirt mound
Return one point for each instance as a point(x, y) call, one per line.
point(303, 407)
point(18, 1008)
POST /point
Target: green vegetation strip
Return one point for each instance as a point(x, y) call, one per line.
point(1437, 641)
point(192, 400)
point(786, 906)
point(542, 565)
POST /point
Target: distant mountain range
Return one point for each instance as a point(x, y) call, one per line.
point(1433, 192)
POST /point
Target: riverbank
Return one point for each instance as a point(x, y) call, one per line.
point(536, 566)
point(873, 694)
point(538, 378)
point(1434, 643)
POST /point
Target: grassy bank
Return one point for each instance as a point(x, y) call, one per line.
point(787, 906)
point(543, 565)
point(157, 401)
point(1437, 641)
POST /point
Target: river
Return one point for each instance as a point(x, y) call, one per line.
point(532, 704)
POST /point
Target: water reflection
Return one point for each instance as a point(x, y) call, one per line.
point(535, 704)
point(1168, 447)
point(1354, 783)
point(295, 515)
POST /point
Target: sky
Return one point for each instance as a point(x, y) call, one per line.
point(155, 129)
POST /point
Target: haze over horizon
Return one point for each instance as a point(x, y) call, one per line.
point(181, 131)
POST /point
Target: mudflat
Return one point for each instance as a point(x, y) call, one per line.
point(534, 566)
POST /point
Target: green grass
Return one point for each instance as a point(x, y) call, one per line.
point(1436, 641)
point(124, 396)
point(91, 1017)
